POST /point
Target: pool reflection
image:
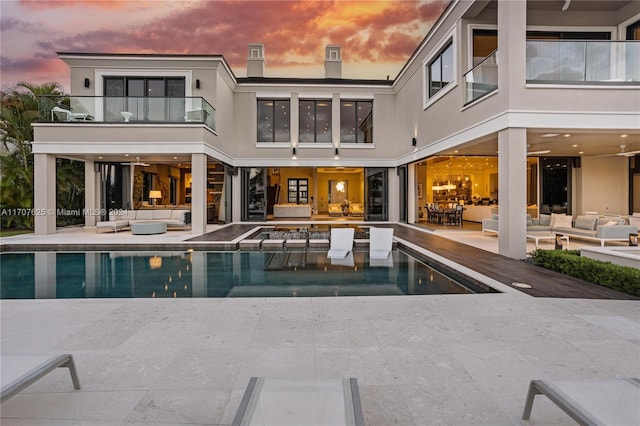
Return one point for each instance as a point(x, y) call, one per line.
point(170, 274)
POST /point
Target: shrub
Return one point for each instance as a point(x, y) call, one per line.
point(569, 262)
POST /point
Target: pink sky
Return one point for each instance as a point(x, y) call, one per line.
point(377, 37)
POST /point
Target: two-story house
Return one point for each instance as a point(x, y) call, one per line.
point(527, 106)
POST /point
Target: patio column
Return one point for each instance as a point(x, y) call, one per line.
point(91, 199)
point(44, 194)
point(511, 55)
point(512, 192)
point(198, 193)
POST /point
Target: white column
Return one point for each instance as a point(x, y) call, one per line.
point(512, 193)
point(198, 193)
point(393, 196)
point(44, 193)
point(91, 197)
point(511, 55)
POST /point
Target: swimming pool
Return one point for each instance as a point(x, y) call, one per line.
point(145, 274)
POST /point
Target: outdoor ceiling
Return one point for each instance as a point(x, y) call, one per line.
point(565, 143)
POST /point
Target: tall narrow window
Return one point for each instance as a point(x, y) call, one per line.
point(273, 120)
point(356, 121)
point(315, 121)
point(440, 70)
point(298, 191)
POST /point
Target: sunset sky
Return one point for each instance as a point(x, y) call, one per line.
point(377, 37)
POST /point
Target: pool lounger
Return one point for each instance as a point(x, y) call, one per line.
point(18, 372)
point(591, 402)
point(287, 401)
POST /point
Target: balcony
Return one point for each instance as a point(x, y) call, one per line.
point(481, 79)
point(583, 62)
point(159, 110)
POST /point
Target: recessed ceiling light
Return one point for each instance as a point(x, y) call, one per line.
point(175, 158)
point(126, 155)
point(100, 158)
point(580, 152)
point(575, 145)
point(549, 135)
point(623, 136)
point(566, 135)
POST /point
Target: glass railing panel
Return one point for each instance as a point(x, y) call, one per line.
point(481, 79)
point(583, 62)
point(131, 109)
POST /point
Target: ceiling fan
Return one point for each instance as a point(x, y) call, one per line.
point(622, 152)
point(137, 163)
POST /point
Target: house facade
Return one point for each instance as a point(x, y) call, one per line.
point(524, 106)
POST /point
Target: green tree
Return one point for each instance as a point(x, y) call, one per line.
point(19, 109)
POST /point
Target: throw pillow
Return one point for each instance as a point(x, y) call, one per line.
point(561, 221)
point(545, 220)
point(611, 223)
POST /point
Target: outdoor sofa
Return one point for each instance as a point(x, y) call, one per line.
point(602, 229)
point(122, 219)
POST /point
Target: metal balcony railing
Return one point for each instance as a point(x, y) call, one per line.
point(583, 62)
point(481, 79)
point(130, 109)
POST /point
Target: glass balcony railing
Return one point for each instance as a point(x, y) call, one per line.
point(107, 109)
point(583, 62)
point(481, 79)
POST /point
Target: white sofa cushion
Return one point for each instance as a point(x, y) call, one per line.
point(162, 214)
point(144, 215)
point(561, 221)
point(178, 214)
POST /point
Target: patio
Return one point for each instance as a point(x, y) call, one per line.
point(450, 359)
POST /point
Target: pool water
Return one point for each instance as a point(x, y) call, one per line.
point(301, 273)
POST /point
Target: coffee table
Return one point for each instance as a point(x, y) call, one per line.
point(148, 227)
point(537, 236)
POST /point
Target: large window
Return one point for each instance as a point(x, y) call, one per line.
point(273, 120)
point(440, 70)
point(146, 98)
point(356, 121)
point(315, 121)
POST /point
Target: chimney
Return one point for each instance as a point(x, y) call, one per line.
point(332, 62)
point(255, 60)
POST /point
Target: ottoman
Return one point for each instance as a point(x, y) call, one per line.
point(148, 228)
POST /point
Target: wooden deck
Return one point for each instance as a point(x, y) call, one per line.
point(544, 283)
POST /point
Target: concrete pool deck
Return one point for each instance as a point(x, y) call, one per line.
point(453, 360)
point(449, 359)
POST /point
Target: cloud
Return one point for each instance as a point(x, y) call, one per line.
point(294, 32)
point(71, 4)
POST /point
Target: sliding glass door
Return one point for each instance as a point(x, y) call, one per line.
point(376, 194)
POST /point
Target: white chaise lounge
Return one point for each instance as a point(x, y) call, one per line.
point(380, 242)
point(18, 372)
point(341, 243)
point(591, 402)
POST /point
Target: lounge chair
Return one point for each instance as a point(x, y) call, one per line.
point(18, 372)
point(591, 402)
point(268, 401)
point(67, 115)
point(380, 242)
point(341, 243)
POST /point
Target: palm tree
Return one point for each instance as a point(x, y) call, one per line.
point(19, 109)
